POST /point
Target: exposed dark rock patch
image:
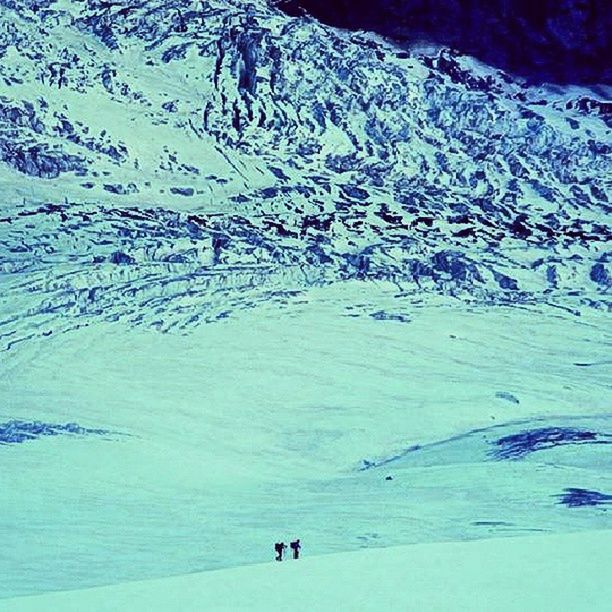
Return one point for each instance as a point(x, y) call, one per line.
point(519, 445)
point(575, 498)
point(505, 395)
point(381, 315)
point(521, 439)
point(17, 432)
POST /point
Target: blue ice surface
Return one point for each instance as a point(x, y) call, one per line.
point(517, 446)
point(575, 498)
point(16, 432)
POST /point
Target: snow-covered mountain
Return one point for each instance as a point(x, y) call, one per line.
point(244, 256)
point(564, 41)
point(273, 152)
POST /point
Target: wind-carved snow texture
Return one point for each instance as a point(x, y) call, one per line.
point(279, 154)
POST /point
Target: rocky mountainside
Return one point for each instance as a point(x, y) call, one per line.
point(165, 163)
point(559, 40)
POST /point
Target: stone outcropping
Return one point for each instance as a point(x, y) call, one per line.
point(556, 40)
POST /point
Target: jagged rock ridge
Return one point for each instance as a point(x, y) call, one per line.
point(559, 40)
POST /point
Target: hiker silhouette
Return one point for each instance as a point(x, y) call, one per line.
point(279, 548)
point(295, 547)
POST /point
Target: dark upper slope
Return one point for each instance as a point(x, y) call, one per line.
point(548, 40)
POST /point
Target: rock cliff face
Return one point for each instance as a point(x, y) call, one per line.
point(554, 40)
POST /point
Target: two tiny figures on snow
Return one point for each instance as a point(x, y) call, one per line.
point(280, 548)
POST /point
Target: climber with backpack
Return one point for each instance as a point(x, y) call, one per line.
point(295, 547)
point(279, 548)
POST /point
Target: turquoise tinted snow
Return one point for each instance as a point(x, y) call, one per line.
point(264, 279)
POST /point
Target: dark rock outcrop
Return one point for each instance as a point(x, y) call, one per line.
point(555, 40)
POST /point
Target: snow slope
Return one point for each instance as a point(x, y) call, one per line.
point(260, 426)
point(529, 574)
